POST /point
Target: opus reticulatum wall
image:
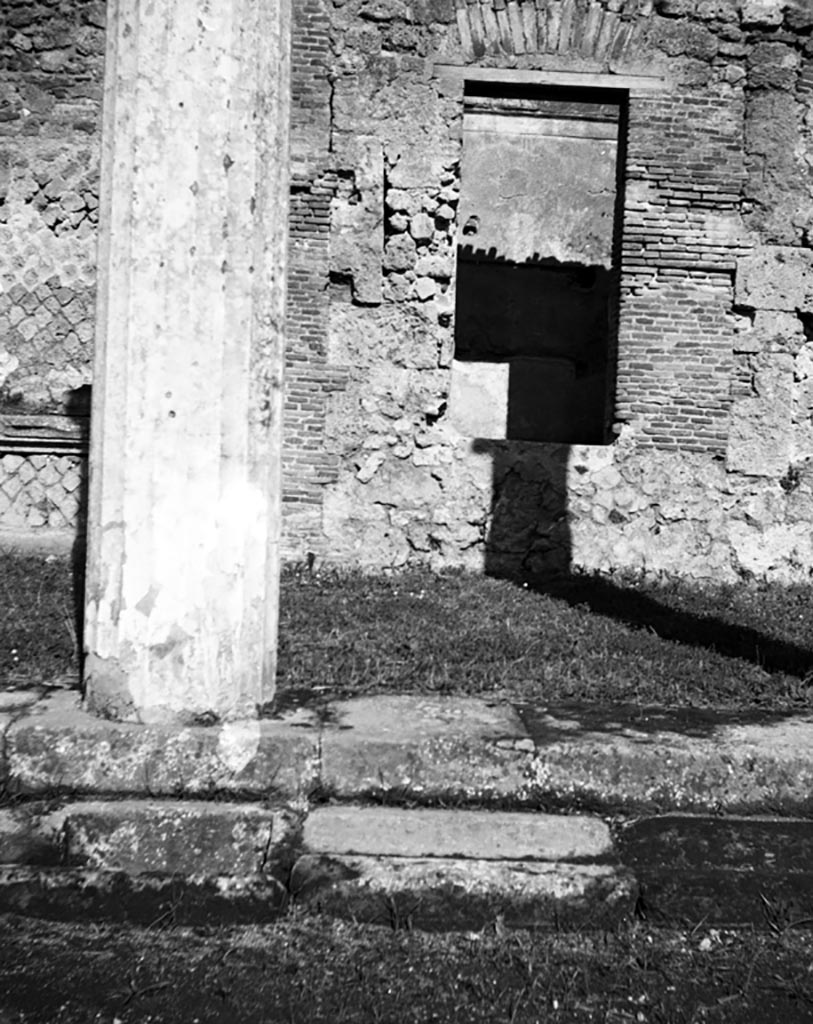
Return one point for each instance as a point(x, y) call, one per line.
point(393, 447)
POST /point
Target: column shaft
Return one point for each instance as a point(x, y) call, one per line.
point(184, 511)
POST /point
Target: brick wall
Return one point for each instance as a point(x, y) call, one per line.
point(306, 466)
point(682, 235)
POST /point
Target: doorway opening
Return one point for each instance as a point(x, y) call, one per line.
point(537, 263)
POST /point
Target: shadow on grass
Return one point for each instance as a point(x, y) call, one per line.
point(638, 609)
point(557, 723)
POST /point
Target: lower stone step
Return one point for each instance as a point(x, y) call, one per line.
point(445, 893)
point(203, 861)
point(83, 894)
point(429, 868)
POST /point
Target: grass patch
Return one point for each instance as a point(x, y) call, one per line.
point(580, 639)
point(306, 970)
point(591, 639)
point(38, 621)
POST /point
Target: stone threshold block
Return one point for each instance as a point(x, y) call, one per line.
point(445, 893)
point(191, 838)
point(480, 835)
point(428, 749)
point(80, 894)
point(61, 748)
point(442, 869)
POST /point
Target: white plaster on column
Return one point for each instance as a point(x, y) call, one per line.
point(184, 503)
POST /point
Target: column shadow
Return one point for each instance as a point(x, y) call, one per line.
point(77, 407)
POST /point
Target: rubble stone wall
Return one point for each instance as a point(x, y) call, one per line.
point(708, 473)
point(51, 60)
point(709, 469)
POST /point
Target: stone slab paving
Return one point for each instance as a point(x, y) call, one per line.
point(59, 747)
point(427, 747)
point(375, 801)
point(185, 837)
point(633, 760)
point(482, 835)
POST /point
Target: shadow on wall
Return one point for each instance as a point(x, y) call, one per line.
point(528, 530)
point(529, 542)
point(77, 407)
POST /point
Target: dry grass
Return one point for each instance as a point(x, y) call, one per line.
point(305, 970)
point(597, 640)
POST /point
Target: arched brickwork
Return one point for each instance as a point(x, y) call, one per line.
point(603, 31)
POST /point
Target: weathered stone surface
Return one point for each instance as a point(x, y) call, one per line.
point(422, 228)
point(478, 400)
point(431, 748)
point(481, 835)
point(760, 439)
point(187, 837)
point(771, 331)
point(187, 380)
point(671, 761)
point(776, 278)
point(764, 13)
point(446, 893)
point(357, 232)
point(82, 894)
point(399, 253)
point(772, 66)
point(61, 747)
point(26, 837)
point(777, 177)
point(13, 701)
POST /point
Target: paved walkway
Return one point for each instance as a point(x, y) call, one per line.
point(449, 811)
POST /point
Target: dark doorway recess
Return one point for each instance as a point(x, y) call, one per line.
point(537, 271)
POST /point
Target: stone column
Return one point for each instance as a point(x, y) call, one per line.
point(184, 510)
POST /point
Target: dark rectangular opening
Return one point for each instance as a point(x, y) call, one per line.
point(537, 262)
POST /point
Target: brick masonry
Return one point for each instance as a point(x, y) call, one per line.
point(713, 369)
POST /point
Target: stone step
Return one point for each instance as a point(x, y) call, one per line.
point(440, 751)
point(449, 893)
point(420, 867)
point(437, 868)
point(479, 835)
point(426, 867)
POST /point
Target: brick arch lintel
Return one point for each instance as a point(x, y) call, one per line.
point(601, 31)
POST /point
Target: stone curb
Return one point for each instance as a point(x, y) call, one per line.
point(451, 893)
point(300, 825)
point(57, 747)
point(447, 751)
point(427, 868)
point(419, 867)
point(76, 894)
point(199, 837)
